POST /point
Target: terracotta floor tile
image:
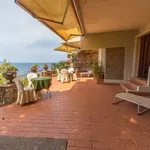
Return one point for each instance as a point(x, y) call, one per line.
point(71, 143)
point(81, 143)
point(17, 133)
point(31, 134)
point(112, 146)
point(81, 112)
point(46, 135)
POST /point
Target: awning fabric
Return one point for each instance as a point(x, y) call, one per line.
point(58, 15)
point(67, 48)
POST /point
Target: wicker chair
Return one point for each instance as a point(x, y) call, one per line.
point(25, 95)
point(64, 75)
point(31, 76)
point(58, 74)
point(75, 75)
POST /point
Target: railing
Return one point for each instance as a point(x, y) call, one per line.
point(22, 76)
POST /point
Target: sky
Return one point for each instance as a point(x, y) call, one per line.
point(24, 39)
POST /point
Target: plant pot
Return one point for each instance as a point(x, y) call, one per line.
point(33, 70)
point(9, 76)
point(100, 81)
point(45, 68)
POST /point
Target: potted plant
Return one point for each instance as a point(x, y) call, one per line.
point(98, 72)
point(34, 68)
point(45, 66)
point(8, 71)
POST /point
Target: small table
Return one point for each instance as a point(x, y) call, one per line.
point(41, 83)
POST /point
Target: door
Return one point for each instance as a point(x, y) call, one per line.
point(144, 62)
point(115, 63)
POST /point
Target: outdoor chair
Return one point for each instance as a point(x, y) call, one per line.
point(90, 72)
point(75, 75)
point(87, 73)
point(140, 101)
point(25, 95)
point(64, 75)
point(31, 76)
point(58, 74)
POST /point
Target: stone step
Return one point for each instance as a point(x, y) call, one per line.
point(138, 81)
point(133, 85)
point(127, 87)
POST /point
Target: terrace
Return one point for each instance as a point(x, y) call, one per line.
point(81, 112)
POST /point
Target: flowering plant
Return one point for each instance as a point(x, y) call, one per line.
point(61, 65)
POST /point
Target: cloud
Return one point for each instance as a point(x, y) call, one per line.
point(24, 39)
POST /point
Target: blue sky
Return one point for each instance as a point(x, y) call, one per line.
point(24, 39)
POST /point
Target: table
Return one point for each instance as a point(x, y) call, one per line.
point(41, 83)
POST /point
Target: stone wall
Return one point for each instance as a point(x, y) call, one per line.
point(8, 94)
point(85, 57)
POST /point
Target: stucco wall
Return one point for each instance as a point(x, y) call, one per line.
point(113, 39)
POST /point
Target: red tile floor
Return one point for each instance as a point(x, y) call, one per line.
point(81, 112)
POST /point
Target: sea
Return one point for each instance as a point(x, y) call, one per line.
point(24, 68)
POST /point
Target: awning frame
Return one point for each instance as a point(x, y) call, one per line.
point(64, 44)
point(45, 19)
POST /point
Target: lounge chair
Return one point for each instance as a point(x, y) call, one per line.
point(87, 73)
point(139, 100)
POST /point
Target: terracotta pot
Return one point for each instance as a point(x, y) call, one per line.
point(9, 76)
point(45, 68)
point(33, 70)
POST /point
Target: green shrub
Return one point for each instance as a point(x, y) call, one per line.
point(98, 70)
point(61, 65)
point(2, 80)
point(7, 67)
point(45, 66)
point(24, 82)
point(36, 66)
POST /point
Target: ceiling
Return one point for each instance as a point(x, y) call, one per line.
point(114, 15)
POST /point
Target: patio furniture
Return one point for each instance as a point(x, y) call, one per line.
point(45, 73)
point(31, 76)
point(87, 73)
point(139, 100)
point(52, 73)
point(64, 75)
point(75, 75)
point(58, 74)
point(25, 95)
point(49, 73)
point(41, 83)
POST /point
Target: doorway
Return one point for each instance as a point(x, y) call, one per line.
point(144, 61)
